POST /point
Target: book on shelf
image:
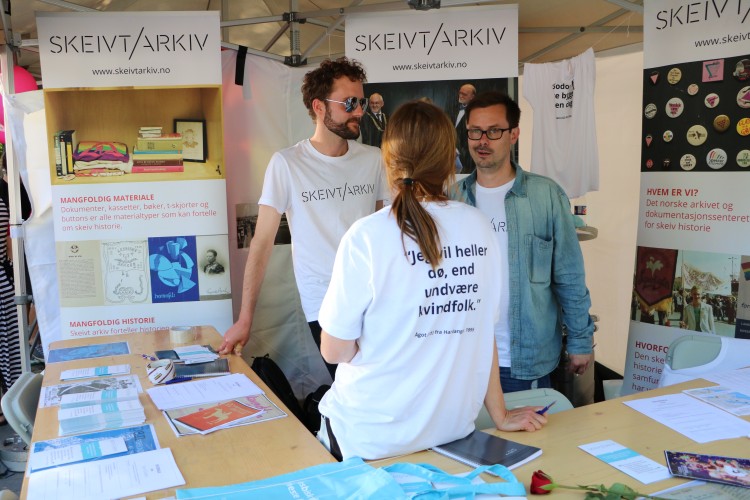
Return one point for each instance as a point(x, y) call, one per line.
point(156, 156)
point(158, 168)
point(165, 141)
point(149, 152)
point(58, 153)
point(480, 448)
point(196, 370)
point(64, 142)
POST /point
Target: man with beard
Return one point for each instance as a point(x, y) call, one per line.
point(539, 249)
point(465, 94)
point(323, 184)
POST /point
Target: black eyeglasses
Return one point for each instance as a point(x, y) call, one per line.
point(493, 134)
point(351, 103)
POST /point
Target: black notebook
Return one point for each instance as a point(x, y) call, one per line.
point(211, 369)
point(480, 448)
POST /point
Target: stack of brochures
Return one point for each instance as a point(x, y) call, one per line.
point(94, 411)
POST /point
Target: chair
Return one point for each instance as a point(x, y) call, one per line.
point(532, 397)
point(20, 403)
point(693, 356)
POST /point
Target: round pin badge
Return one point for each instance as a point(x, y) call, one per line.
point(742, 70)
point(649, 163)
point(667, 136)
point(711, 100)
point(674, 107)
point(687, 162)
point(693, 89)
point(674, 75)
point(649, 140)
point(650, 110)
point(743, 127)
point(721, 123)
point(716, 158)
point(743, 97)
point(696, 135)
point(743, 158)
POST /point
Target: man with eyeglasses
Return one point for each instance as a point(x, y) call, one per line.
point(374, 122)
point(323, 184)
point(530, 214)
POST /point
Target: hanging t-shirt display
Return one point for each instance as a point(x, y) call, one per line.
point(564, 139)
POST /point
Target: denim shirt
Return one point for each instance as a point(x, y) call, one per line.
point(547, 278)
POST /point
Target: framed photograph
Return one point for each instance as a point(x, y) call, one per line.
point(194, 146)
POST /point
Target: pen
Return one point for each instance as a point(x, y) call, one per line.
point(178, 379)
point(544, 410)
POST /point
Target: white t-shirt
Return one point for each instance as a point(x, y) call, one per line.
point(322, 197)
point(563, 143)
point(491, 201)
point(425, 337)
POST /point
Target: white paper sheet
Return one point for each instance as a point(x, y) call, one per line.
point(110, 478)
point(628, 461)
point(208, 390)
point(738, 380)
point(699, 421)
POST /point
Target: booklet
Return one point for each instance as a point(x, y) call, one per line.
point(717, 469)
point(480, 448)
point(219, 416)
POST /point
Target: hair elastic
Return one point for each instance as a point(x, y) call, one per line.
point(408, 181)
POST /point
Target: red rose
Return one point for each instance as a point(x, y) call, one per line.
point(538, 480)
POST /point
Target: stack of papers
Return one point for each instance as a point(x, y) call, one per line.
point(195, 354)
point(98, 397)
point(99, 371)
point(101, 416)
point(268, 411)
point(219, 416)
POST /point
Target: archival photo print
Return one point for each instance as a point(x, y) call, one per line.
point(213, 267)
point(694, 291)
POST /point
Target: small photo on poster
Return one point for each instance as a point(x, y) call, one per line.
point(79, 272)
point(213, 265)
point(247, 219)
point(173, 269)
point(126, 275)
point(686, 289)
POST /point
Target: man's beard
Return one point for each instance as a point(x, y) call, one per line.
point(341, 129)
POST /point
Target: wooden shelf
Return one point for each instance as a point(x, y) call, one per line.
point(115, 114)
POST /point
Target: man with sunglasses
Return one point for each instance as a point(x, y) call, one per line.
point(323, 184)
point(531, 217)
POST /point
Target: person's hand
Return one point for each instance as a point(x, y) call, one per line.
point(578, 363)
point(235, 339)
point(525, 418)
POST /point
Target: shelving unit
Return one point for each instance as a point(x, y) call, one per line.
point(115, 114)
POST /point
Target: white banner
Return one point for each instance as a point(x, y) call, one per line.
point(472, 42)
point(684, 30)
point(116, 49)
point(694, 222)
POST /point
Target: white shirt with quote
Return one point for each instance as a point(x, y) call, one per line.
point(322, 197)
point(425, 336)
point(491, 201)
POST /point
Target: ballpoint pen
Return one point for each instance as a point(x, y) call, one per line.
point(178, 379)
point(544, 410)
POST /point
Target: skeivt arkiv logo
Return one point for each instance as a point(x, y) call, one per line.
point(427, 39)
point(337, 193)
point(128, 43)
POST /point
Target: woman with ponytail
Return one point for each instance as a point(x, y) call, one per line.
point(410, 311)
